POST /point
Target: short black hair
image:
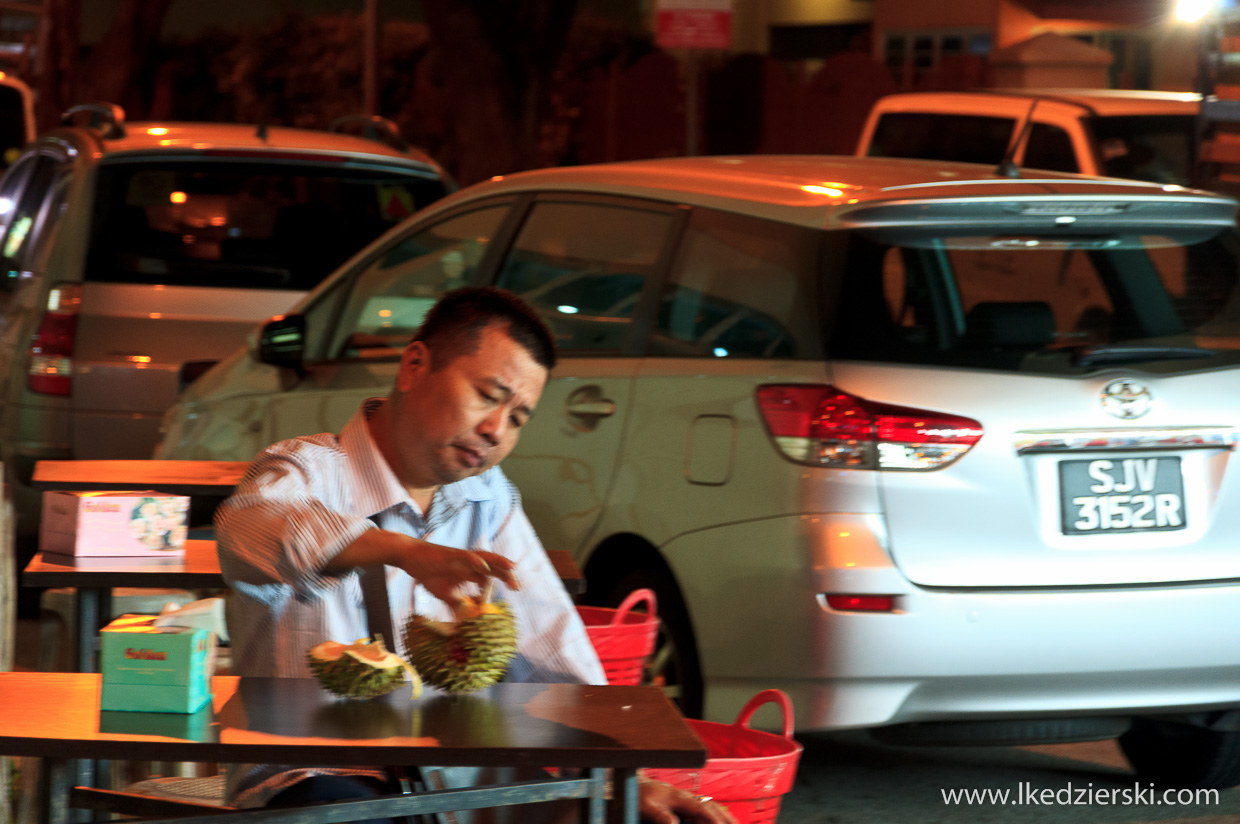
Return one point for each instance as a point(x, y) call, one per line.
point(454, 324)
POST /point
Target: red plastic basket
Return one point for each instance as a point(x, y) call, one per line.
point(623, 639)
point(746, 770)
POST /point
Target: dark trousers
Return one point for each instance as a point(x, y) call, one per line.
point(334, 788)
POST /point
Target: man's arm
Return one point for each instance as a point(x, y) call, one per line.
point(438, 568)
point(280, 528)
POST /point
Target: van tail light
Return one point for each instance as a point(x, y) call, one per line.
point(49, 369)
point(819, 425)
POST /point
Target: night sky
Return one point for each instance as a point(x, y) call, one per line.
point(187, 17)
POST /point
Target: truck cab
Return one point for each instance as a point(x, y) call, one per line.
point(1144, 135)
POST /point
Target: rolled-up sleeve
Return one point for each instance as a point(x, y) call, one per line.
point(275, 528)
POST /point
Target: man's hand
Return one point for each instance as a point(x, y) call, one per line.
point(442, 570)
point(661, 803)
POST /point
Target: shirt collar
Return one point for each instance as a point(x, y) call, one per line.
point(376, 487)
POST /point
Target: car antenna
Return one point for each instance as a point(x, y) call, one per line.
point(1007, 166)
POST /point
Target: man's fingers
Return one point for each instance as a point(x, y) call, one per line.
point(497, 566)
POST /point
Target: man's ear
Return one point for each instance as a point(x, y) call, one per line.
point(415, 360)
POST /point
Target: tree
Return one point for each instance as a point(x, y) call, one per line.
point(497, 59)
point(113, 64)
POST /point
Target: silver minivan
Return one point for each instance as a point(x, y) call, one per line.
point(941, 453)
point(135, 255)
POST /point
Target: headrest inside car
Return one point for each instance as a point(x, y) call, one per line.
point(1023, 325)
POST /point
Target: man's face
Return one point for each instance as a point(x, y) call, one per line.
point(465, 417)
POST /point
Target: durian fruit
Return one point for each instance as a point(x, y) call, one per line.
point(467, 655)
point(360, 670)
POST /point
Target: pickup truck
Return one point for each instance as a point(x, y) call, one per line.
point(1145, 135)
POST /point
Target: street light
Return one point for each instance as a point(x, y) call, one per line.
point(1192, 11)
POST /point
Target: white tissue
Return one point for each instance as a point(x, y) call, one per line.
point(207, 613)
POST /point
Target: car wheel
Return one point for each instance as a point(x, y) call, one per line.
point(674, 663)
point(1181, 755)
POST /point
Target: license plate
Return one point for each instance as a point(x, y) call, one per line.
point(1121, 495)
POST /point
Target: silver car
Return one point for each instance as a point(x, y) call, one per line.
point(134, 255)
point(938, 452)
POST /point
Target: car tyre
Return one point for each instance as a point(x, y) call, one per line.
point(1182, 755)
point(674, 663)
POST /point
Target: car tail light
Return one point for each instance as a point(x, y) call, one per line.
point(862, 603)
point(819, 425)
point(49, 369)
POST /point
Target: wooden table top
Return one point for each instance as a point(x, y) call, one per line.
point(199, 568)
point(294, 721)
point(181, 477)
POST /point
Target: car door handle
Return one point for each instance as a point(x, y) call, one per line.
point(587, 406)
point(592, 409)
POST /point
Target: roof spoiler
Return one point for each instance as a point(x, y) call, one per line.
point(371, 127)
point(109, 118)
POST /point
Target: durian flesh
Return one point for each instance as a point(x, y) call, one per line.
point(468, 655)
point(360, 670)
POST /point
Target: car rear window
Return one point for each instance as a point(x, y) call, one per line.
point(255, 225)
point(934, 136)
point(1159, 148)
point(13, 125)
point(1041, 304)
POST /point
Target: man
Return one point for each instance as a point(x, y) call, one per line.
point(318, 519)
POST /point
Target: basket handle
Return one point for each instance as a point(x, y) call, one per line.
point(765, 697)
point(634, 598)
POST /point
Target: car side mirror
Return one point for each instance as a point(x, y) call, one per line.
point(282, 342)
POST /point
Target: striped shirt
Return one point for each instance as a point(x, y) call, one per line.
point(303, 501)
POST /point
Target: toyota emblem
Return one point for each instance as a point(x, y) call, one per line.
point(1126, 398)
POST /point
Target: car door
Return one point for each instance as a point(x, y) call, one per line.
point(357, 330)
point(588, 266)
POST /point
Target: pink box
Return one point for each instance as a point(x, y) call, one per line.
point(130, 523)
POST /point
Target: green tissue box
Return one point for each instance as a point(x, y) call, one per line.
point(155, 669)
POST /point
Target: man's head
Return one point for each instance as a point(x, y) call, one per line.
point(454, 324)
point(468, 383)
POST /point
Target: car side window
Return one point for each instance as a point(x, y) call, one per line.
point(392, 294)
point(1050, 147)
point(583, 266)
point(739, 288)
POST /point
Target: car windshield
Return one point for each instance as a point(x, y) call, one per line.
point(1158, 148)
point(260, 225)
point(1057, 305)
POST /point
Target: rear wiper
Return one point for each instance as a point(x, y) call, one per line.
point(1095, 355)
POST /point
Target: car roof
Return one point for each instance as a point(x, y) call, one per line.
point(147, 137)
point(1099, 102)
point(810, 190)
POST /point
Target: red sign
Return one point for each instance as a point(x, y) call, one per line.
point(694, 24)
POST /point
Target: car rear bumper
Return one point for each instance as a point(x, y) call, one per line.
point(944, 654)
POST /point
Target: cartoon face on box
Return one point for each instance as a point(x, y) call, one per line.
point(114, 523)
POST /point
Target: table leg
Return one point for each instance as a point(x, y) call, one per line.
point(624, 805)
point(87, 629)
point(55, 780)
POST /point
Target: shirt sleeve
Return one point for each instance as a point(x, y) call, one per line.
point(554, 645)
point(277, 529)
